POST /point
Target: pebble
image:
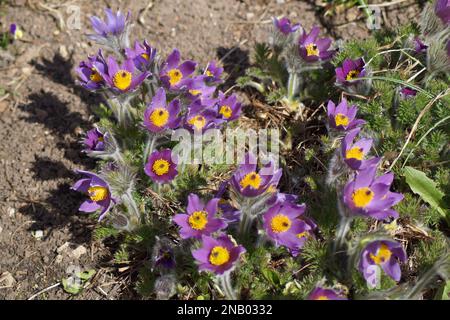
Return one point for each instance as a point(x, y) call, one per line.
point(38, 234)
point(78, 252)
point(11, 212)
point(63, 52)
point(7, 280)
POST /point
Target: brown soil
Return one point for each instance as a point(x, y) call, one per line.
point(44, 115)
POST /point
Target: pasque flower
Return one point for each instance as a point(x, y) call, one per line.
point(98, 191)
point(320, 293)
point(407, 93)
point(342, 117)
point(199, 118)
point(115, 24)
point(94, 141)
point(199, 219)
point(217, 255)
point(173, 74)
point(228, 108)
point(354, 153)
point(142, 55)
point(314, 49)
point(213, 72)
point(161, 166)
point(368, 195)
point(384, 254)
point(350, 71)
point(15, 32)
point(249, 182)
point(419, 46)
point(159, 116)
point(198, 89)
point(285, 26)
point(89, 72)
point(442, 10)
point(123, 78)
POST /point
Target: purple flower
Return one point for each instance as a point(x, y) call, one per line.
point(325, 294)
point(159, 116)
point(419, 46)
point(442, 10)
point(198, 89)
point(342, 117)
point(350, 70)
point(114, 25)
point(98, 191)
point(284, 226)
point(199, 119)
point(217, 255)
point(173, 74)
point(312, 48)
point(89, 72)
point(213, 73)
point(369, 196)
point(381, 253)
point(124, 78)
point(199, 219)
point(142, 55)
point(284, 25)
point(248, 182)
point(94, 141)
point(353, 153)
point(12, 29)
point(407, 93)
point(279, 197)
point(228, 108)
point(161, 166)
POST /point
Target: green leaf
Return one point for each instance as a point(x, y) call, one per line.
point(444, 292)
point(426, 189)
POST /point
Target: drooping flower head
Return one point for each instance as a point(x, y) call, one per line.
point(325, 294)
point(368, 195)
point(173, 74)
point(161, 166)
point(350, 71)
point(199, 118)
point(354, 153)
point(228, 108)
point(159, 116)
point(89, 72)
point(143, 55)
point(114, 25)
point(199, 219)
point(442, 10)
point(314, 49)
point(163, 254)
point(283, 224)
point(217, 255)
point(407, 93)
point(98, 191)
point(419, 46)
point(285, 26)
point(342, 117)
point(95, 140)
point(382, 254)
point(213, 72)
point(123, 78)
point(249, 182)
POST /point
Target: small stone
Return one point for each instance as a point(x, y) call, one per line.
point(63, 52)
point(38, 234)
point(250, 15)
point(6, 280)
point(56, 32)
point(11, 212)
point(280, 1)
point(78, 252)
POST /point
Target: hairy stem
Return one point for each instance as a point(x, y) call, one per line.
point(293, 83)
point(225, 283)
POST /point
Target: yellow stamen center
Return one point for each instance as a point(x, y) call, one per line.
point(98, 193)
point(303, 234)
point(159, 117)
point(198, 220)
point(225, 111)
point(362, 197)
point(145, 56)
point(209, 73)
point(175, 76)
point(251, 179)
point(219, 255)
point(341, 120)
point(95, 76)
point(312, 50)
point(322, 298)
point(352, 75)
point(355, 153)
point(383, 254)
point(280, 223)
point(271, 189)
point(161, 167)
point(122, 79)
point(195, 92)
point(197, 121)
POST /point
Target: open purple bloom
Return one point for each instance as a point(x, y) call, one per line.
point(114, 25)
point(217, 255)
point(228, 108)
point(407, 93)
point(325, 294)
point(249, 182)
point(94, 141)
point(354, 153)
point(159, 116)
point(213, 73)
point(199, 219)
point(442, 10)
point(369, 196)
point(419, 46)
point(161, 166)
point(199, 119)
point(342, 117)
point(198, 89)
point(124, 78)
point(173, 74)
point(350, 71)
point(285, 26)
point(142, 55)
point(381, 253)
point(283, 224)
point(89, 72)
point(98, 191)
point(312, 48)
